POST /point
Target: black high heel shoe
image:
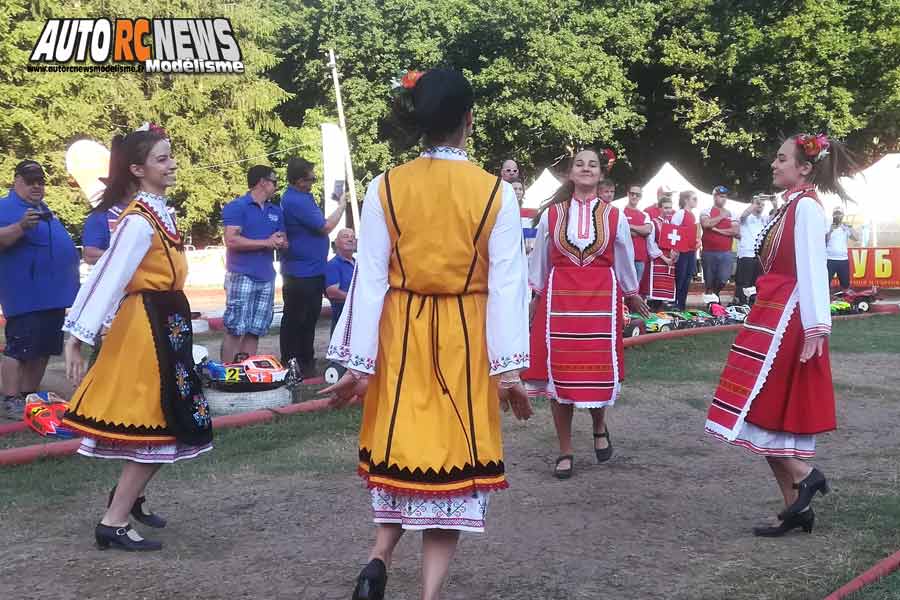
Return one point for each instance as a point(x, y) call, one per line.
point(371, 581)
point(603, 454)
point(804, 520)
point(117, 537)
point(137, 511)
point(814, 482)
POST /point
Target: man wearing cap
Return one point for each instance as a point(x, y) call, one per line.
point(836, 249)
point(38, 282)
point(663, 193)
point(719, 232)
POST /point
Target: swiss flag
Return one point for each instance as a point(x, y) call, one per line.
point(682, 239)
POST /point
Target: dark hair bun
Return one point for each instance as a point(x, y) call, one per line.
point(434, 108)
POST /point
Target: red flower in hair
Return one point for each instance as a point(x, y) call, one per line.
point(815, 147)
point(411, 78)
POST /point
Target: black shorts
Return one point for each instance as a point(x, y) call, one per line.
point(34, 335)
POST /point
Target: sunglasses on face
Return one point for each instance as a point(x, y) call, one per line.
point(635, 193)
point(35, 181)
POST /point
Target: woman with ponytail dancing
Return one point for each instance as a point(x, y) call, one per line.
point(141, 401)
point(775, 393)
point(581, 267)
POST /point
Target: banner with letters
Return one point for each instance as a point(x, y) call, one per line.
point(875, 266)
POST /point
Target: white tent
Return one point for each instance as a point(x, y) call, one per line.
point(669, 175)
point(541, 190)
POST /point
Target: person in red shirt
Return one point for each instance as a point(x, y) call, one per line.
point(639, 223)
point(663, 192)
point(719, 231)
point(686, 265)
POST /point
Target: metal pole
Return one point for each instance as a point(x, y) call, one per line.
point(348, 164)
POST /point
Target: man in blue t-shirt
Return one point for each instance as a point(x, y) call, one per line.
point(254, 228)
point(303, 263)
point(339, 273)
point(97, 232)
point(38, 282)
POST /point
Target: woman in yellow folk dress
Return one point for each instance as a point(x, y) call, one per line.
point(434, 330)
point(141, 401)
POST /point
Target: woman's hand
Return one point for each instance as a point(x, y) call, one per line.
point(75, 364)
point(515, 397)
point(351, 385)
point(812, 347)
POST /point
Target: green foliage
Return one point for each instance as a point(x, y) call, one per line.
point(708, 84)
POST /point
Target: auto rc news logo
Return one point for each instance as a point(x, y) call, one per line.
point(160, 45)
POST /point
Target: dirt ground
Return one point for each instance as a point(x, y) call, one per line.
point(668, 517)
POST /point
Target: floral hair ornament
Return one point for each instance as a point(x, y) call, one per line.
point(407, 81)
point(815, 147)
point(610, 157)
point(153, 127)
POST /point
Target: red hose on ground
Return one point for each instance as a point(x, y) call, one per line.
point(871, 575)
point(27, 454)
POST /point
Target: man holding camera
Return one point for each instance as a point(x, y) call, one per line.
point(303, 262)
point(836, 249)
point(38, 282)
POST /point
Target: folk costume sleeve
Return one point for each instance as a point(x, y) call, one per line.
point(653, 250)
point(624, 262)
point(539, 259)
point(812, 273)
point(355, 340)
point(507, 307)
point(100, 296)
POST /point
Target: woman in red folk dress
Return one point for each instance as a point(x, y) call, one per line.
point(581, 266)
point(658, 283)
point(775, 393)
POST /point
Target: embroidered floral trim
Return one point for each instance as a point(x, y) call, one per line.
point(159, 205)
point(520, 360)
point(341, 353)
point(82, 333)
point(435, 150)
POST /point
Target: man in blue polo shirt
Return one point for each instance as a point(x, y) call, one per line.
point(339, 273)
point(38, 282)
point(254, 228)
point(303, 263)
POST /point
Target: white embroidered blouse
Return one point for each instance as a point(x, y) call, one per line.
point(507, 304)
point(103, 290)
point(581, 233)
point(810, 226)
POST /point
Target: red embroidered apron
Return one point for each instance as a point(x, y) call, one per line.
point(764, 381)
point(576, 342)
point(658, 282)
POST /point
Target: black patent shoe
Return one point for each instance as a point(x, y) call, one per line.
point(118, 537)
point(371, 581)
point(603, 454)
point(137, 511)
point(806, 489)
point(804, 520)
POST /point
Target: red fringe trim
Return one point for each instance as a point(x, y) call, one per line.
point(400, 491)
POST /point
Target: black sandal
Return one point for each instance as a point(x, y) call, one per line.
point(603, 454)
point(564, 473)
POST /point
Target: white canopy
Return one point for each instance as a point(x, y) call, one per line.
point(668, 175)
point(541, 190)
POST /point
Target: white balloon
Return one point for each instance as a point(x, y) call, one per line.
point(87, 161)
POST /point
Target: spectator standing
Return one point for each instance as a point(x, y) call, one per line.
point(303, 263)
point(749, 268)
point(509, 170)
point(718, 237)
point(98, 229)
point(836, 250)
point(686, 265)
point(254, 227)
point(339, 273)
point(519, 188)
point(663, 193)
point(640, 226)
point(38, 282)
